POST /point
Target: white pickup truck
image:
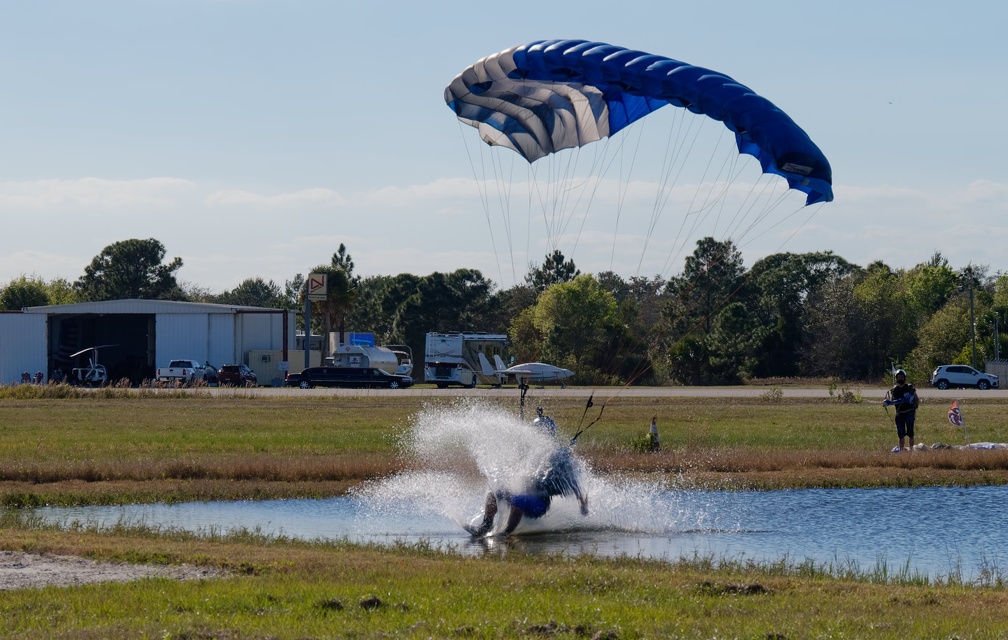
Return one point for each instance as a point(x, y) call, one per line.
point(186, 372)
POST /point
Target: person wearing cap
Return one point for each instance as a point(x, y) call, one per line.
point(903, 396)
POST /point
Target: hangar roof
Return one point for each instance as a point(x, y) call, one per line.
point(142, 306)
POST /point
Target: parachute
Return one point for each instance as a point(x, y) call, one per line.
point(550, 95)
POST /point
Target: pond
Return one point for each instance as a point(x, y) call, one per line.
point(935, 531)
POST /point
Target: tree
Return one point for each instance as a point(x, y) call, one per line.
point(574, 319)
point(780, 287)
point(379, 299)
point(889, 333)
point(554, 270)
point(255, 292)
point(456, 301)
point(341, 294)
point(61, 291)
point(832, 331)
point(711, 277)
point(130, 269)
point(929, 286)
point(944, 337)
point(24, 292)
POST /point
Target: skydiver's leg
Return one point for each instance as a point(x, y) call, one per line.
point(514, 518)
point(489, 513)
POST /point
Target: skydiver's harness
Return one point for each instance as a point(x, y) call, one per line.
point(907, 402)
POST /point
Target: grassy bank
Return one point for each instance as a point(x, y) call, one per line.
point(276, 588)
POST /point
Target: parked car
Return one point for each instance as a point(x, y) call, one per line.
point(348, 377)
point(960, 375)
point(236, 375)
point(187, 372)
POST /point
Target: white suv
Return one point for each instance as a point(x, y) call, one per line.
point(960, 375)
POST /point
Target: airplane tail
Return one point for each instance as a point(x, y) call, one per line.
point(486, 367)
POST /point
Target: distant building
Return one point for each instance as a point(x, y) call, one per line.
point(137, 336)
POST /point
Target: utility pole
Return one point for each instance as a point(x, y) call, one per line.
point(997, 339)
point(973, 327)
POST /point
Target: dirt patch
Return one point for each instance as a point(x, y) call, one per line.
point(20, 570)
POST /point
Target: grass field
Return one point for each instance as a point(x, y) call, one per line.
point(128, 447)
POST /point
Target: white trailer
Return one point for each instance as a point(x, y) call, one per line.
point(461, 358)
point(353, 355)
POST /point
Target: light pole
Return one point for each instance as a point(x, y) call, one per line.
point(972, 330)
point(968, 278)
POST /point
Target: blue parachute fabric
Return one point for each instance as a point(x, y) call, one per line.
point(549, 95)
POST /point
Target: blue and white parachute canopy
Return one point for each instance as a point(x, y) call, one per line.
point(548, 95)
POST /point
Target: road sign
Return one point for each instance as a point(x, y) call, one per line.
point(317, 286)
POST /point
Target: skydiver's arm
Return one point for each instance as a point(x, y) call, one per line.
point(582, 498)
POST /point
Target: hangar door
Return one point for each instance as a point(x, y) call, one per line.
point(126, 342)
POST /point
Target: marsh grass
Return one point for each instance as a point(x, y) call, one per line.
point(172, 445)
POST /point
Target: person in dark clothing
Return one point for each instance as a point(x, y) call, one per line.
point(903, 396)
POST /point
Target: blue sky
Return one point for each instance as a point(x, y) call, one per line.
point(252, 137)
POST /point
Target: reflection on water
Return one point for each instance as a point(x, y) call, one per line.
point(932, 531)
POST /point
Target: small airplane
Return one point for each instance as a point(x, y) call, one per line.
point(537, 372)
point(525, 372)
point(94, 374)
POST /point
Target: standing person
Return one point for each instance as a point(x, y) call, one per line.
point(653, 442)
point(904, 396)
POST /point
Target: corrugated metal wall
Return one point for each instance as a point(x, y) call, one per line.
point(181, 335)
point(207, 333)
point(22, 346)
point(222, 344)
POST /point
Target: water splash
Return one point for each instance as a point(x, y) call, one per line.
point(459, 452)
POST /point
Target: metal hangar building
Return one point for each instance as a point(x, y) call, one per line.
point(136, 336)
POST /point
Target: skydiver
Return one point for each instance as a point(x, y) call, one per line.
point(556, 476)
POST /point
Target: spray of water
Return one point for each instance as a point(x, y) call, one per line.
point(459, 452)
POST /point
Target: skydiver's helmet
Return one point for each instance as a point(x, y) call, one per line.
point(544, 423)
point(900, 372)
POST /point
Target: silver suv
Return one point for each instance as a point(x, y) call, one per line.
point(960, 375)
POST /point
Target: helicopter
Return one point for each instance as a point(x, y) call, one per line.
point(94, 374)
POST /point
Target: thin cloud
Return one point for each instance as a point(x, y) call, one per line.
point(307, 197)
point(90, 193)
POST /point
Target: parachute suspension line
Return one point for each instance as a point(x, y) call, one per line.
point(768, 183)
point(544, 195)
point(685, 143)
point(588, 405)
point(484, 198)
point(578, 188)
point(566, 187)
point(601, 153)
point(529, 183)
point(813, 211)
point(695, 216)
point(504, 189)
point(623, 188)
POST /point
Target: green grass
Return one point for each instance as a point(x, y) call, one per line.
point(280, 588)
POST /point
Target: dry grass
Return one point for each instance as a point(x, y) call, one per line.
point(99, 448)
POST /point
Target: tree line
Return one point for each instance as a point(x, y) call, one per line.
point(788, 316)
